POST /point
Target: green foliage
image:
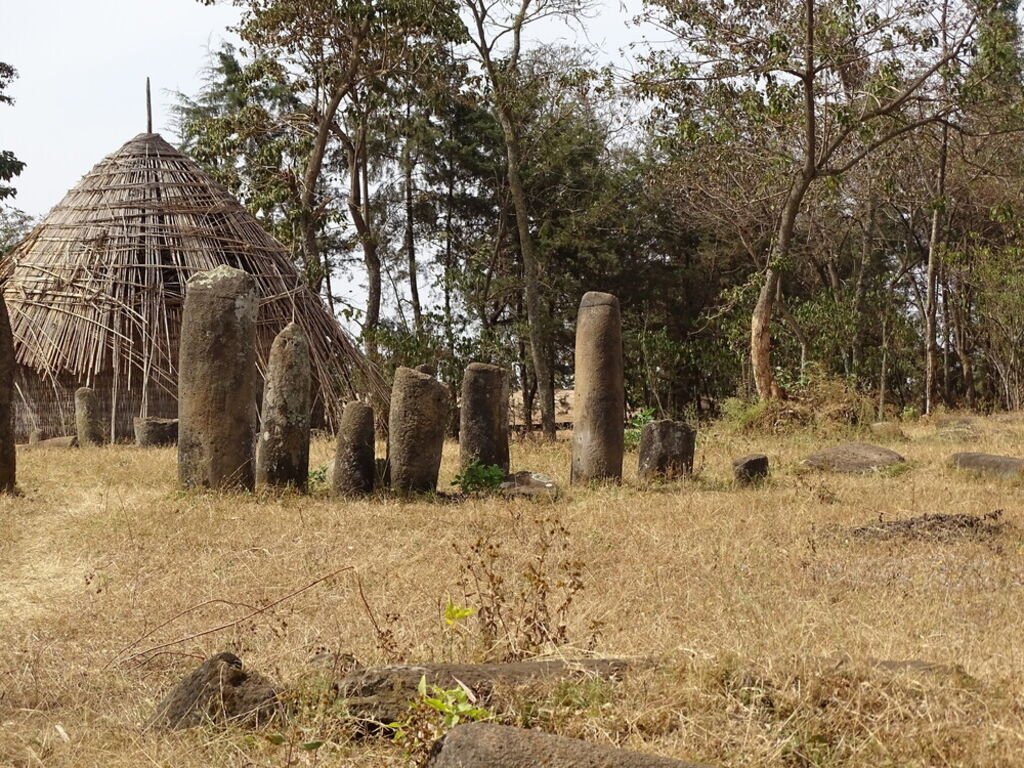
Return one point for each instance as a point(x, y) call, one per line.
point(318, 478)
point(477, 477)
point(635, 427)
point(432, 714)
point(10, 166)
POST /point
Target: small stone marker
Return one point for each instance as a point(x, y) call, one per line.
point(416, 425)
point(599, 401)
point(8, 452)
point(488, 745)
point(354, 462)
point(217, 380)
point(887, 430)
point(666, 449)
point(152, 431)
point(529, 485)
point(852, 458)
point(1004, 466)
point(65, 441)
point(35, 436)
point(282, 454)
point(483, 422)
point(219, 691)
point(88, 419)
point(749, 470)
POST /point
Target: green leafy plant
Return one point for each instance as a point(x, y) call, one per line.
point(480, 478)
point(637, 422)
point(434, 712)
point(318, 478)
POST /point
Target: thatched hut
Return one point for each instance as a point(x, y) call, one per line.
point(95, 292)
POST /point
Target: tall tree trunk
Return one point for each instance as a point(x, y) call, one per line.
point(362, 217)
point(410, 233)
point(867, 248)
point(883, 372)
point(539, 335)
point(931, 304)
point(761, 319)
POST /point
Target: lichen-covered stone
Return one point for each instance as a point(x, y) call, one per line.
point(217, 381)
point(600, 401)
point(282, 453)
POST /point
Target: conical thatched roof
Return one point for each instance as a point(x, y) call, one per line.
point(98, 285)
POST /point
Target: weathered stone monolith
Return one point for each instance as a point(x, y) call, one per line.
point(88, 419)
point(217, 380)
point(282, 452)
point(599, 402)
point(666, 449)
point(488, 745)
point(152, 431)
point(483, 416)
point(354, 462)
point(8, 458)
point(419, 411)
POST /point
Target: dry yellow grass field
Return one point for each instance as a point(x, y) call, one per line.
point(773, 625)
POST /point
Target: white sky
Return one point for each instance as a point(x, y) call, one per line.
point(82, 66)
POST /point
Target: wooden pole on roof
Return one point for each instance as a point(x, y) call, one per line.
point(149, 109)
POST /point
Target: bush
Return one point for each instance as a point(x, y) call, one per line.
point(480, 478)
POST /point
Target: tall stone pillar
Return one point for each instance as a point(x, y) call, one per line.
point(8, 458)
point(599, 402)
point(217, 380)
point(483, 416)
point(282, 453)
point(354, 463)
point(416, 425)
point(88, 419)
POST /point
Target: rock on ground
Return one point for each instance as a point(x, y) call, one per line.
point(219, 691)
point(988, 463)
point(750, 469)
point(152, 431)
point(853, 457)
point(530, 485)
point(486, 745)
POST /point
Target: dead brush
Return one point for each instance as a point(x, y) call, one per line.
point(935, 527)
point(521, 609)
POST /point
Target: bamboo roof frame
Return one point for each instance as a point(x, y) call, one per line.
point(98, 285)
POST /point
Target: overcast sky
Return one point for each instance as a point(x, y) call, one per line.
point(82, 66)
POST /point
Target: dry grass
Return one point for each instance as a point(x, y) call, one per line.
point(776, 625)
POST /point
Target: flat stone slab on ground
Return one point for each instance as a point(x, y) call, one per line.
point(383, 694)
point(853, 457)
point(65, 441)
point(887, 430)
point(486, 745)
point(219, 691)
point(530, 485)
point(988, 463)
